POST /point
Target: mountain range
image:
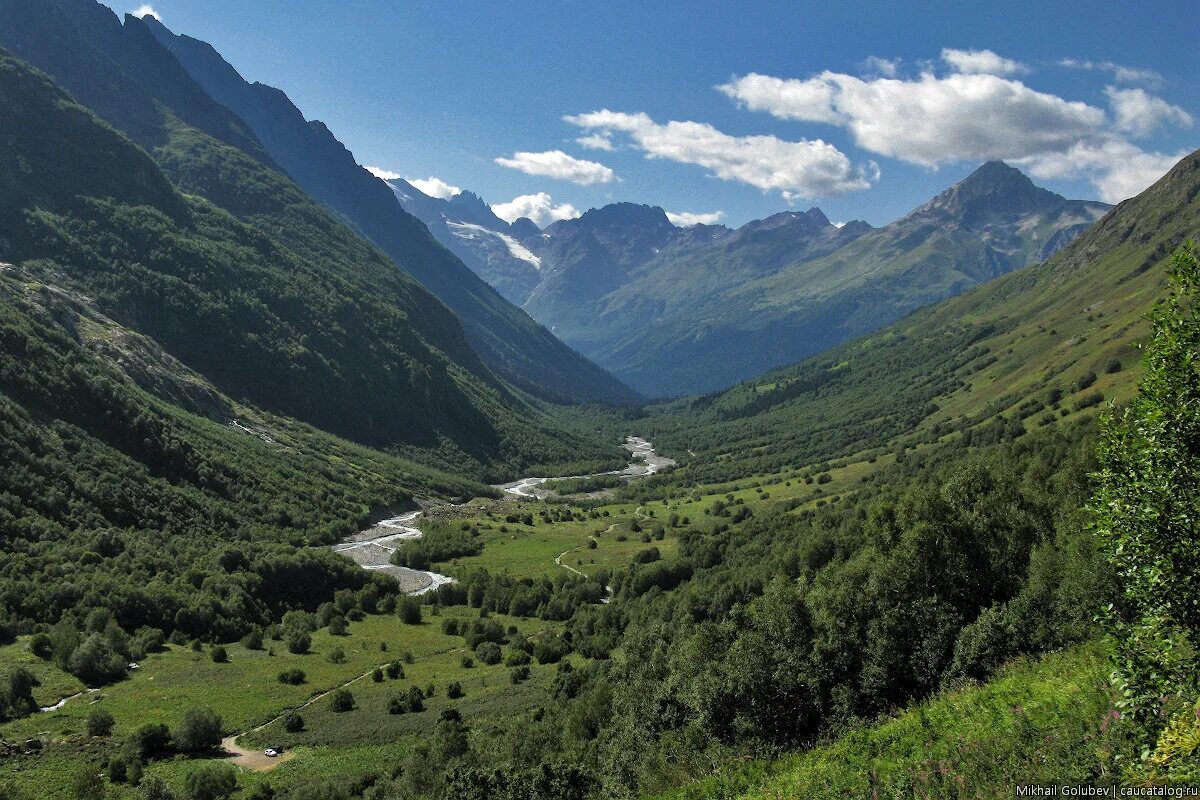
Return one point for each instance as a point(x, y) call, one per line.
point(675, 311)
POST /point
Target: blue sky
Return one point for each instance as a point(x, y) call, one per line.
point(741, 110)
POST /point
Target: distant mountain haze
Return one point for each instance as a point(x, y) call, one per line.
point(676, 311)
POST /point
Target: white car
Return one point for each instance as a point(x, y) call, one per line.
point(270, 752)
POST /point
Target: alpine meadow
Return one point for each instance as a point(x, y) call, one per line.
point(811, 411)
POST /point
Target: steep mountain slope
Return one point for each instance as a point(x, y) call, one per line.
point(695, 318)
point(352, 345)
point(128, 464)
point(508, 340)
point(1032, 347)
point(485, 243)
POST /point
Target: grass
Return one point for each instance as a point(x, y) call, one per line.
point(1039, 720)
point(55, 684)
point(246, 693)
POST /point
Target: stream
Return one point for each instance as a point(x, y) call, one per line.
point(372, 548)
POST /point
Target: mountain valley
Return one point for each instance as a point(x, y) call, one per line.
point(317, 486)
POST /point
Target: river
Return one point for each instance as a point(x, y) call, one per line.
point(372, 548)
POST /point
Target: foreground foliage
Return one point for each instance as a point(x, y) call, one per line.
point(1146, 505)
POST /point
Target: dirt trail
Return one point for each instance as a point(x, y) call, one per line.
point(255, 760)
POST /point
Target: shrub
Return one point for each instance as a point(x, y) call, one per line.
point(409, 610)
point(1085, 381)
point(1113, 367)
point(219, 655)
point(152, 740)
point(550, 650)
point(395, 670)
point(516, 658)
point(298, 642)
point(488, 652)
point(341, 701)
point(252, 641)
point(1089, 400)
point(416, 699)
point(454, 690)
point(87, 784)
point(100, 723)
point(95, 662)
point(337, 656)
point(377, 675)
point(518, 674)
point(117, 770)
point(647, 556)
point(338, 626)
point(41, 645)
point(466, 661)
point(295, 677)
point(397, 704)
point(293, 722)
point(211, 781)
point(155, 788)
point(200, 730)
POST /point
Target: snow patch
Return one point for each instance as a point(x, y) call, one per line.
point(467, 230)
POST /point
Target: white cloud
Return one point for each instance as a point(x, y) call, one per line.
point(431, 186)
point(596, 141)
point(1139, 114)
point(1120, 73)
point(382, 174)
point(434, 187)
point(557, 164)
point(807, 100)
point(1117, 168)
point(928, 120)
point(931, 120)
point(981, 62)
point(685, 219)
point(146, 11)
point(885, 67)
point(538, 207)
point(805, 168)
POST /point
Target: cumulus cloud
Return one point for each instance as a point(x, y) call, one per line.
point(557, 164)
point(685, 219)
point(434, 187)
point(538, 207)
point(1120, 73)
point(927, 120)
point(1139, 114)
point(981, 62)
point(932, 120)
point(797, 169)
point(885, 67)
point(596, 141)
point(146, 11)
point(1118, 169)
point(382, 174)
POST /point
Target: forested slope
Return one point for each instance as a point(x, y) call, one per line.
point(1013, 354)
point(292, 311)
